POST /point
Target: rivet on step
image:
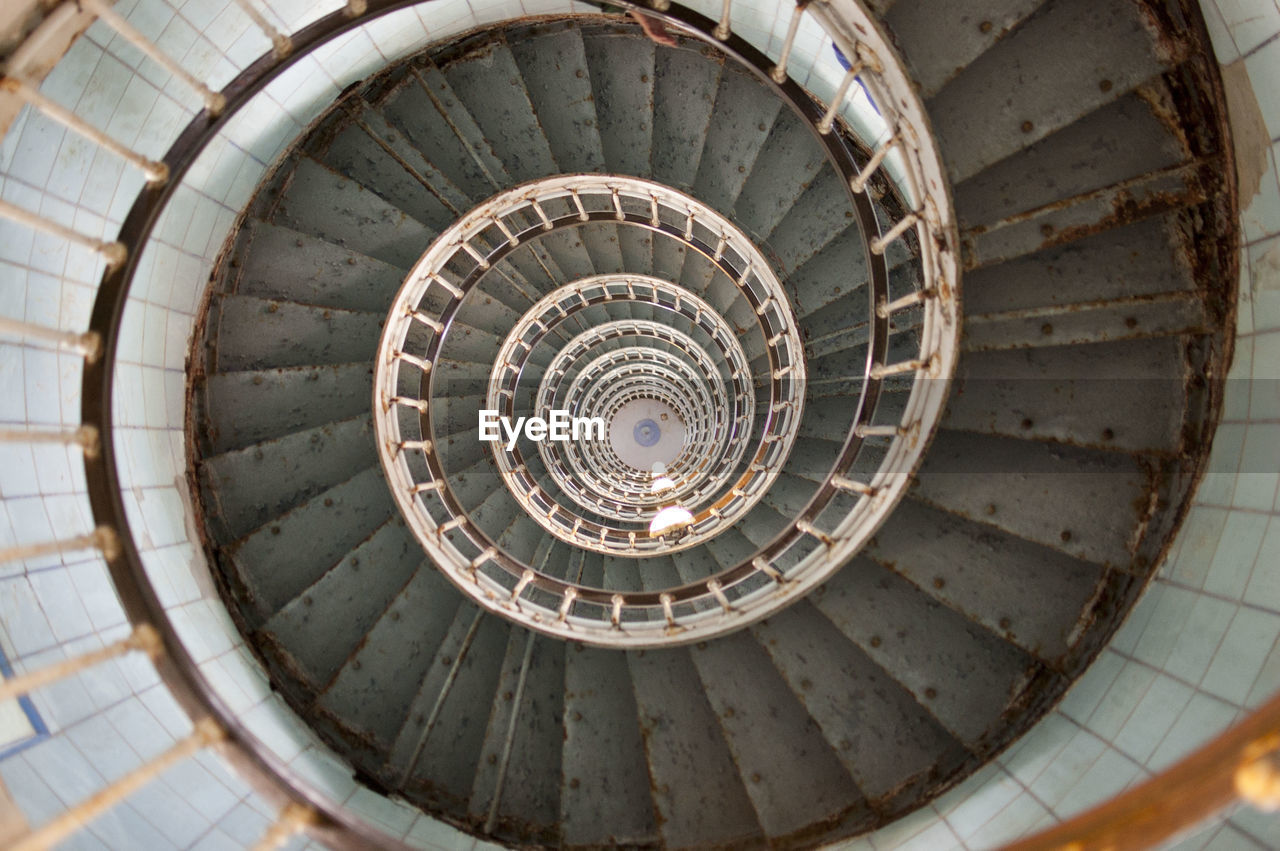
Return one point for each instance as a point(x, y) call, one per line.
point(1046, 230)
point(507, 696)
point(984, 27)
point(875, 641)
point(939, 582)
point(991, 508)
point(931, 693)
point(574, 782)
point(644, 78)
point(446, 660)
point(272, 308)
point(1027, 127)
point(1027, 424)
point(356, 664)
point(351, 261)
point(395, 616)
point(1066, 535)
point(755, 778)
point(257, 379)
point(577, 716)
point(493, 759)
point(275, 530)
point(306, 601)
point(1105, 85)
point(806, 684)
point(579, 73)
point(328, 501)
point(1046, 329)
point(1108, 434)
point(1131, 322)
point(1005, 623)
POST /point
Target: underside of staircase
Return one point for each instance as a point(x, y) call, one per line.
point(1090, 169)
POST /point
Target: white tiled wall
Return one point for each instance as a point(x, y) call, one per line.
point(1200, 650)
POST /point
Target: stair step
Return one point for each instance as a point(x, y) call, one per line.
point(415, 112)
point(1132, 261)
point(821, 215)
point(741, 121)
point(1014, 94)
point(789, 161)
point(1112, 396)
point(284, 264)
point(277, 561)
point(684, 97)
point(354, 151)
point(375, 684)
point(337, 209)
point(320, 628)
point(686, 749)
point(1082, 502)
point(887, 741)
point(553, 66)
point(520, 759)
point(503, 113)
point(1032, 596)
point(245, 488)
point(605, 794)
point(621, 68)
point(792, 775)
point(242, 408)
point(262, 334)
point(939, 38)
point(965, 676)
point(448, 753)
point(1121, 141)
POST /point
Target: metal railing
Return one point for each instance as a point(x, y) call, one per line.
point(214, 725)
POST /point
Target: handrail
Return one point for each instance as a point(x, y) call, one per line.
point(1241, 763)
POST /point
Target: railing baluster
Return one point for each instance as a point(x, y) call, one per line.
point(779, 72)
point(281, 44)
point(878, 246)
point(829, 119)
point(722, 29)
point(143, 638)
point(85, 437)
point(293, 819)
point(885, 310)
point(114, 253)
point(103, 539)
point(860, 182)
point(207, 732)
point(215, 102)
point(157, 172)
point(356, 8)
point(88, 344)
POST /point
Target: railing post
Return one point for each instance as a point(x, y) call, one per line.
point(157, 172)
point(207, 732)
point(215, 102)
point(293, 819)
point(114, 253)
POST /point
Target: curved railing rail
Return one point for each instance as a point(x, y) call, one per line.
point(215, 724)
point(811, 546)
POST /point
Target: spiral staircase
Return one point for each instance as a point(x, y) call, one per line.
point(903, 535)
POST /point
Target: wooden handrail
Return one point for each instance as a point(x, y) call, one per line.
point(1238, 764)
